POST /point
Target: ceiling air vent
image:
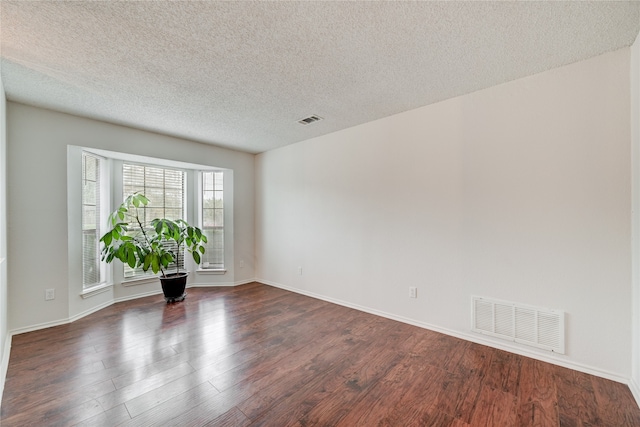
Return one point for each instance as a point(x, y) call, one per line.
point(309, 120)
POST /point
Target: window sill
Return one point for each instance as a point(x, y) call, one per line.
point(95, 290)
point(211, 271)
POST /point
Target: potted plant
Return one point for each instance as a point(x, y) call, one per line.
point(153, 245)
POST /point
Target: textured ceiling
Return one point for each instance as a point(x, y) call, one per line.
point(241, 74)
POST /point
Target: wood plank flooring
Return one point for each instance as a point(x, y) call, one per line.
point(255, 355)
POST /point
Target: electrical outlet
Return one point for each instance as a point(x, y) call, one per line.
point(300, 271)
point(49, 294)
point(241, 263)
point(413, 292)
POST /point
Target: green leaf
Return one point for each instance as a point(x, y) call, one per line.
point(166, 228)
point(136, 200)
point(132, 259)
point(107, 238)
point(147, 262)
point(201, 249)
point(139, 254)
point(167, 258)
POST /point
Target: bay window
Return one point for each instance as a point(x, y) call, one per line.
point(98, 181)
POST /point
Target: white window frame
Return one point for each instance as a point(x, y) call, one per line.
point(103, 203)
point(202, 268)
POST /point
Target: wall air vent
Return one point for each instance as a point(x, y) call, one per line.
point(309, 120)
point(537, 327)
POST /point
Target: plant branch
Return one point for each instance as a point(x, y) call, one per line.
point(146, 238)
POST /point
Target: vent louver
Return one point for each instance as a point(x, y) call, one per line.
point(309, 120)
point(537, 327)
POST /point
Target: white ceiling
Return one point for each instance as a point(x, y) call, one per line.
point(241, 74)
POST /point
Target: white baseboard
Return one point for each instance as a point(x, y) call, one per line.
point(90, 311)
point(220, 284)
point(635, 390)
point(136, 296)
point(4, 366)
point(39, 326)
point(478, 339)
point(244, 282)
point(211, 285)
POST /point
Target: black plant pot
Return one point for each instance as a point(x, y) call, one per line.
point(173, 286)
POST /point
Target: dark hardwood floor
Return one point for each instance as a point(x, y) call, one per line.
point(255, 355)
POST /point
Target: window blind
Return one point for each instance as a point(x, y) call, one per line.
point(165, 190)
point(90, 220)
point(213, 219)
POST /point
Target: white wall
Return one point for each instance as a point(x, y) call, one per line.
point(519, 192)
point(4, 337)
point(635, 142)
point(38, 212)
